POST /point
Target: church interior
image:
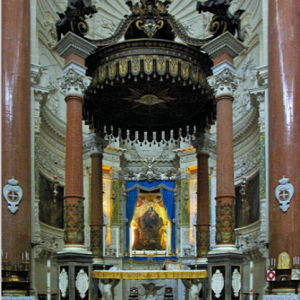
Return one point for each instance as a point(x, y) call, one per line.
point(150, 149)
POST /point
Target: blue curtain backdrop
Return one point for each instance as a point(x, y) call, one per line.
point(167, 191)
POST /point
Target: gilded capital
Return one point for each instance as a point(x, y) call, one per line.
point(224, 83)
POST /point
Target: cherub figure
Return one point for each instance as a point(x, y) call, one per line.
point(194, 287)
point(150, 291)
point(106, 286)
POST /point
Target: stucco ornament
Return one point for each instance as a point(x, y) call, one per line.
point(73, 82)
point(217, 283)
point(13, 194)
point(63, 282)
point(82, 283)
point(284, 193)
point(224, 83)
point(236, 282)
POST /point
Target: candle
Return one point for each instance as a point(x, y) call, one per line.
point(48, 279)
point(22, 256)
point(195, 241)
point(251, 281)
point(130, 241)
point(117, 241)
point(6, 255)
point(1, 252)
point(103, 239)
point(167, 243)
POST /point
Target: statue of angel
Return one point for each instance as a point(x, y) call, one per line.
point(106, 286)
point(150, 291)
point(193, 287)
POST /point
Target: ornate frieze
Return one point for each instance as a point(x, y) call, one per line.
point(224, 83)
point(248, 162)
point(225, 221)
point(74, 221)
point(51, 157)
point(252, 240)
point(150, 173)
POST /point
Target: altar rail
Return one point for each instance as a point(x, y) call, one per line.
point(155, 274)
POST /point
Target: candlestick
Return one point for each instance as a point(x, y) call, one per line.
point(251, 281)
point(103, 239)
point(130, 241)
point(48, 279)
point(195, 241)
point(167, 243)
point(117, 241)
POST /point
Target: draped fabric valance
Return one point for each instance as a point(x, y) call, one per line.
point(167, 191)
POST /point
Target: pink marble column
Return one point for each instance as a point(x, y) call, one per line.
point(97, 146)
point(16, 158)
point(203, 199)
point(222, 50)
point(284, 123)
point(73, 83)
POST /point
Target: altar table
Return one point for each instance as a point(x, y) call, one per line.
point(149, 274)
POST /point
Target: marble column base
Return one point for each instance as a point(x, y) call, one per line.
point(74, 249)
point(225, 248)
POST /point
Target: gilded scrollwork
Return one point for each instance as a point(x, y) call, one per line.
point(225, 223)
point(74, 224)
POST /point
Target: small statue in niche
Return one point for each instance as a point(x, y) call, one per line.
point(73, 19)
point(284, 261)
point(223, 20)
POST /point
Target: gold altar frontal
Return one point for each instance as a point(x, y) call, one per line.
point(155, 274)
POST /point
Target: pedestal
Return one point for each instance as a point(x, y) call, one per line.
point(225, 264)
point(75, 276)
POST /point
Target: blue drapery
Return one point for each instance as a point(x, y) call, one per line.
point(167, 191)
